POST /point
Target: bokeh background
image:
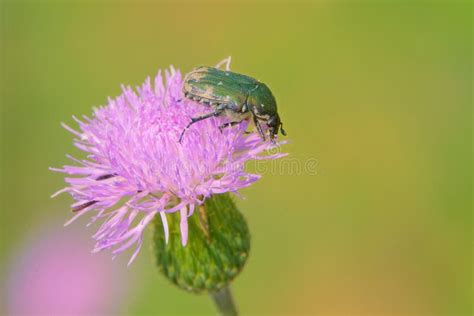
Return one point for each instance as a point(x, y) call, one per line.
point(379, 93)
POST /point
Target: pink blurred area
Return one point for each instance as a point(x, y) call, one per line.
point(55, 273)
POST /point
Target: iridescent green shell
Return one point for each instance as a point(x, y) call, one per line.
point(214, 86)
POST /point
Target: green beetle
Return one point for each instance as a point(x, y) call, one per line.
point(234, 95)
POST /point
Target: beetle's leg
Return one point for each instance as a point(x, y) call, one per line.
point(105, 177)
point(259, 128)
point(217, 112)
point(230, 124)
point(226, 62)
point(83, 206)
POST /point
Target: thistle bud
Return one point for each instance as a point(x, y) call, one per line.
point(216, 251)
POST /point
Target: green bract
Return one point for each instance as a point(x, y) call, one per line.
point(218, 246)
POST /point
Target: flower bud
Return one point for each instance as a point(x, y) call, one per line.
point(217, 248)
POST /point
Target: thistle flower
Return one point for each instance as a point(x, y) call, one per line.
point(52, 274)
point(136, 169)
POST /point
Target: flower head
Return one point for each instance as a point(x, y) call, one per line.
point(136, 168)
point(52, 274)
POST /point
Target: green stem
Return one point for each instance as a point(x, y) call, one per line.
point(224, 302)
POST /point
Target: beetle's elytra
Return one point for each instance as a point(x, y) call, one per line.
point(237, 96)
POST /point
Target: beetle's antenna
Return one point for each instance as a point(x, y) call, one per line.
point(226, 62)
point(282, 130)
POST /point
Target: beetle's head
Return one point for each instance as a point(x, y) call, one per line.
point(274, 125)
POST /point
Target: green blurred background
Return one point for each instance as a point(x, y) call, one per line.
point(379, 93)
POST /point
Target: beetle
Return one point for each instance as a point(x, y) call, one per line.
point(238, 97)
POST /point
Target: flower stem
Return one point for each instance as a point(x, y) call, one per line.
point(224, 302)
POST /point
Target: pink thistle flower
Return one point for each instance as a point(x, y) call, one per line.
point(136, 169)
point(52, 274)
